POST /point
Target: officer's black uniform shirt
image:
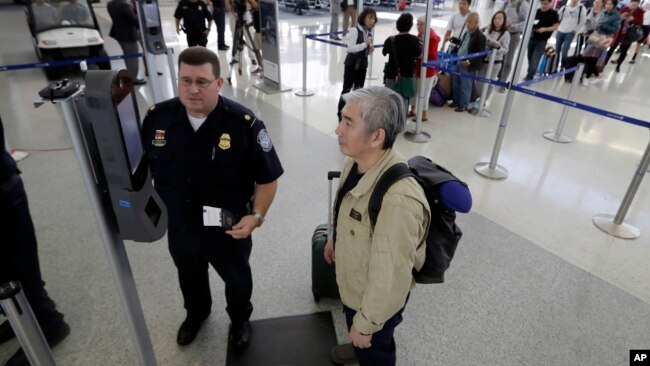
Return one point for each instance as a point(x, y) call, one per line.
point(7, 163)
point(218, 165)
point(193, 15)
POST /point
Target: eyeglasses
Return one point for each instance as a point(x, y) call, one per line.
point(200, 83)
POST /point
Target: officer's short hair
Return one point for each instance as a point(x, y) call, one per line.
point(405, 22)
point(197, 56)
point(380, 107)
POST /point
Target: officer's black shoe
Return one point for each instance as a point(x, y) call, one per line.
point(188, 330)
point(224, 47)
point(139, 82)
point(240, 335)
point(6, 332)
point(53, 336)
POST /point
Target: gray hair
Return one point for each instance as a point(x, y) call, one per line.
point(380, 108)
point(423, 19)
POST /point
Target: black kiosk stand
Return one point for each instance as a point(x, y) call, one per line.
point(104, 125)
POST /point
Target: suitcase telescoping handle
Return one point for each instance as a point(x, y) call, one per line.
point(330, 177)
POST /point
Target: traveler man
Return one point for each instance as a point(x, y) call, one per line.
point(374, 268)
point(214, 166)
point(546, 22)
point(572, 17)
point(473, 41)
point(19, 259)
point(516, 15)
point(125, 31)
point(456, 27)
point(194, 14)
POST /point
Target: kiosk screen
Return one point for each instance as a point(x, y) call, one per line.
point(130, 131)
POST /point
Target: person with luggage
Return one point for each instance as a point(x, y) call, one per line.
point(604, 27)
point(431, 73)
point(645, 27)
point(456, 27)
point(473, 41)
point(374, 267)
point(516, 15)
point(215, 167)
point(572, 18)
point(547, 21)
point(194, 14)
point(498, 40)
point(19, 259)
point(359, 46)
point(631, 17)
point(402, 50)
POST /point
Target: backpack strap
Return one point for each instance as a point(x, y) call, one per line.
point(390, 176)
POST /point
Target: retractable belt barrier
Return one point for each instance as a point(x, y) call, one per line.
point(90, 60)
point(304, 92)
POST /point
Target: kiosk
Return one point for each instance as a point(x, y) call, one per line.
point(103, 121)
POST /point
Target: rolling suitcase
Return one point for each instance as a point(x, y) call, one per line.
point(323, 276)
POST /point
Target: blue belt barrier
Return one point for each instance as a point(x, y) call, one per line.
point(583, 107)
point(547, 77)
point(91, 60)
point(457, 58)
point(315, 38)
point(477, 78)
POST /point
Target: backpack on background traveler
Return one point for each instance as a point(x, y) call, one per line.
point(443, 235)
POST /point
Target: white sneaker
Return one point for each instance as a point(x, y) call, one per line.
point(585, 82)
point(595, 80)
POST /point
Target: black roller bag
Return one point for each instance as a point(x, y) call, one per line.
point(323, 276)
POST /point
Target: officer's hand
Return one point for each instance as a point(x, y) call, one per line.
point(207, 31)
point(243, 228)
point(329, 251)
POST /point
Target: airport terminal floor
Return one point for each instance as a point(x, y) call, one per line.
point(534, 282)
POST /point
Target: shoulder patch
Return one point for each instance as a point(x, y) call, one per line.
point(264, 140)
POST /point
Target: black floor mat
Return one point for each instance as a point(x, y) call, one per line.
point(301, 340)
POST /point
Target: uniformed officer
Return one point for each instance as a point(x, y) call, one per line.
point(19, 257)
point(216, 169)
point(194, 14)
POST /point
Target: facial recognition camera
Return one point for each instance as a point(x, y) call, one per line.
point(110, 100)
point(150, 20)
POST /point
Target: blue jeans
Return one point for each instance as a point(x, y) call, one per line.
point(535, 51)
point(383, 349)
point(562, 45)
point(462, 87)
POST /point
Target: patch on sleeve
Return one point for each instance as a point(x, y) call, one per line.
point(264, 140)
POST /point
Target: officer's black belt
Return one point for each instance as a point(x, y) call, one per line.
point(10, 183)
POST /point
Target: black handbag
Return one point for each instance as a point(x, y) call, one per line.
point(634, 33)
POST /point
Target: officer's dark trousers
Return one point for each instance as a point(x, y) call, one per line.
point(219, 15)
point(19, 254)
point(196, 39)
point(383, 349)
point(192, 251)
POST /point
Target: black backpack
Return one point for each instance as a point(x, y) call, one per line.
point(444, 235)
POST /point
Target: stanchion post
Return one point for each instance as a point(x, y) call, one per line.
point(615, 225)
point(304, 92)
point(369, 74)
point(418, 135)
point(482, 112)
point(557, 135)
point(492, 170)
point(23, 322)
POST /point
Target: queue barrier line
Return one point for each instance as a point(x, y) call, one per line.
point(582, 106)
point(90, 60)
point(337, 43)
point(477, 78)
point(457, 58)
point(548, 77)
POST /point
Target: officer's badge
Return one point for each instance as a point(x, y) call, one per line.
point(264, 140)
point(247, 117)
point(224, 141)
point(200, 8)
point(152, 108)
point(159, 139)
